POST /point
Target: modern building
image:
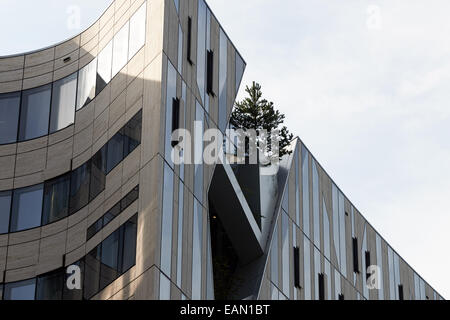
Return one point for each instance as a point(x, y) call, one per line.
point(88, 186)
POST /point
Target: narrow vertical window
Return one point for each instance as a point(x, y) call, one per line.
point(189, 40)
point(355, 256)
point(209, 72)
point(341, 297)
point(321, 286)
point(9, 115)
point(297, 267)
point(400, 292)
point(175, 118)
point(367, 254)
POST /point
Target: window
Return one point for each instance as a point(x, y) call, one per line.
point(5, 210)
point(175, 118)
point(98, 173)
point(210, 72)
point(400, 292)
point(27, 207)
point(367, 256)
point(240, 67)
point(35, 112)
point(341, 297)
point(22, 290)
point(316, 215)
point(285, 263)
point(223, 65)
point(9, 117)
point(74, 294)
point(305, 184)
point(189, 40)
point(355, 255)
point(94, 229)
point(201, 48)
point(79, 187)
point(274, 257)
point(198, 152)
point(197, 251)
point(115, 151)
point(56, 199)
point(132, 134)
point(109, 261)
point(167, 219)
point(63, 103)
point(129, 244)
point(92, 273)
point(321, 286)
point(104, 67)
point(86, 84)
point(137, 31)
point(297, 267)
point(50, 286)
point(120, 49)
point(131, 197)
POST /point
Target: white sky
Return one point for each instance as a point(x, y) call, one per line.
point(365, 84)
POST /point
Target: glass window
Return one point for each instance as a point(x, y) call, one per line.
point(9, 117)
point(120, 49)
point(380, 265)
point(115, 151)
point(111, 214)
point(164, 287)
point(285, 254)
point(79, 187)
point(98, 173)
point(56, 199)
point(35, 112)
point(92, 273)
point(27, 208)
point(240, 67)
point(86, 84)
point(5, 210)
point(137, 30)
point(74, 294)
point(104, 67)
point(316, 215)
point(110, 259)
point(180, 49)
point(198, 152)
point(201, 48)
point(50, 286)
point(1, 291)
point(305, 185)
point(197, 251)
point(223, 63)
point(274, 257)
point(307, 267)
point(129, 198)
point(94, 228)
point(22, 290)
point(297, 188)
point(167, 218)
point(326, 232)
point(63, 103)
point(171, 94)
point(129, 244)
point(180, 233)
point(132, 134)
point(342, 241)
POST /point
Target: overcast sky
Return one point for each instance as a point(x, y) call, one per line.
point(364, 84)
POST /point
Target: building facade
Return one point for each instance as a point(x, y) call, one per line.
point(93, 205)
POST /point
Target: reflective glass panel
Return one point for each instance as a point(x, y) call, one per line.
point(223, 63)
point(129, 244)
point(316, 214)
point(285, 254)
point(240, 67)
point(110, 259)
point(197, 251)
point(63, 103)
point(167, 218)
point(164, 287)
point(307, 267)
point(115, 151)
point(79, 187)
point(56, 199)
point(137, 30)
point(104, 67)
point(132, 134)
point(50, 286)
point(98, 173)
point(198, 152)
point(9, 117)
point(120, 49)
point(171, 94)
point(274, 257)
point(5, 210)
point(35, 112)
point(201, 48)
point(92, 273)
point(86, 84)
point(27, 208)
point(305, 185)
point(23, 290)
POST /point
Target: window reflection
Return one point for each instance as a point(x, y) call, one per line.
point(50, 286)
point(197, 251)
point(104, 67)
point(23, 290)
point(86, 84)
point(56, 199)
point(137, 30)
point(305, 185)
point(120, 49)
point(167, 219)
point(26, 209)
point(34, 114)
point(9, 117)
point(223, 63)
point(79, 187)
point(98, 173)
point(5, 210)
point(63, 103)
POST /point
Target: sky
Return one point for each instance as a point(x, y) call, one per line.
point(364, 84)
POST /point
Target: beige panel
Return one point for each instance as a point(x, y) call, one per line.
point(51, 252)
point(30, 162)
point(38, 70)
point(24, 236)
point(67, 47)
point(12, 63)
point(13, 75)
point(59, 158)
point(23, 255)
point(83, 140)
point(39, 57)
point(7, 167)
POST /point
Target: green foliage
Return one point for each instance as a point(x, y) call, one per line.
point(255, 112)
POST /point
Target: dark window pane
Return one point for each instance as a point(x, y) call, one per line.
point(22, 290)
point(104, 67)
point(9, 117)
point(130, 198)
point(56, 199)
point(74, 294)
point(129, 244)
point(27, 208)
point(1, 292)
point(98, 173)
point(35, 112)
point(79, 187)
point(5, 210)
point(50, 286)
point(111, 214)
point(132, 133)
point(63, 103)
point(94, 228)
point(86, 84)
point(110, 256)
point(92, 273)
point(115, 151)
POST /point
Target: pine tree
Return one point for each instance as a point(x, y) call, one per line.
point(257, 113)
